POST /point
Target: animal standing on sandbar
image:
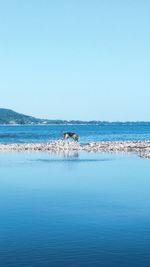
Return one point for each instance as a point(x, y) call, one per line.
point(74, 136)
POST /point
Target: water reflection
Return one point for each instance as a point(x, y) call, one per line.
point(72, 157)
point(76, 210)
point(66, 154)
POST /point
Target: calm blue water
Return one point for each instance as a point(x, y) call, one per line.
point(82, 210)
point(29, 134)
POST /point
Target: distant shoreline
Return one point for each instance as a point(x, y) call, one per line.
point(82, 124)
point(10, 117)
point(141, 148)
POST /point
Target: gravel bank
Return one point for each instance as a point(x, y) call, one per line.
point(142, 148)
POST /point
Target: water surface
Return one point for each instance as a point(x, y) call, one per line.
point(74, 210)
point(88, 133)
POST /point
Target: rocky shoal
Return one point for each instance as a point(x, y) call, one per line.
point(142, 148)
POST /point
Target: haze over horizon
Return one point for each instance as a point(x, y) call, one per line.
point(76, 60)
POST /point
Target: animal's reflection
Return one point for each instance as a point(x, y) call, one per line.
point(67, 154)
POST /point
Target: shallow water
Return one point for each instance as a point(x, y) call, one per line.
point(74, 210)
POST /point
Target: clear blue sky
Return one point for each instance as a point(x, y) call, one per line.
point(76, 59)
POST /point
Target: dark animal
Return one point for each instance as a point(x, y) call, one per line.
point(71, 135)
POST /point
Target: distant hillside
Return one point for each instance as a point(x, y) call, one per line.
point(8, 116)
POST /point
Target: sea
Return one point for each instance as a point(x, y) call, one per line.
point(74, 210)
point(88, 133)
